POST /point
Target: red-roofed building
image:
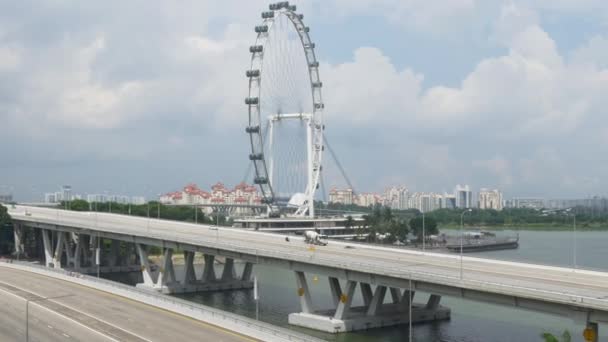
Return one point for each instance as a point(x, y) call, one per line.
point(191, 194)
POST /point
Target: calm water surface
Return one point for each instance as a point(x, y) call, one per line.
point(471, 321)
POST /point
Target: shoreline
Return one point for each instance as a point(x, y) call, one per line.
point(559, 228)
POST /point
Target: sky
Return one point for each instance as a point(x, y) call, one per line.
point(141, 97)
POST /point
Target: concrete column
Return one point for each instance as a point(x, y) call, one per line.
point(247, 272)
point(113, 257)
point(77, 238)
point(48, 248)
point(85, 250)
point(70, 250)
point(189, 274)
point(18, 234)
point(377, 300)
point(59, 249)
point(433, 302)
point(209, 270)
point(346, 300)
point(303, 292)
point(396, 295)
point(145, 265)
point(366, 293)
point(336, 291)
point(166, 273)
point(229, 273)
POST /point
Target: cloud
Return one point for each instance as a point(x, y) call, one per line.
point(87, 83)
point(369, 88)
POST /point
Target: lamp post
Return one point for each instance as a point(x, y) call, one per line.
point(423, 234)
point(461, 236)
point(574, 241)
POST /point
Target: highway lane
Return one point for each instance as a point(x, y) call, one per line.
point(116, 316)
point(579, 283)
point(43, 324)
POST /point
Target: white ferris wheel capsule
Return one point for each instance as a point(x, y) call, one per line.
point(285, 106)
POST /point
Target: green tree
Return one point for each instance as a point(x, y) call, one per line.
point(6, 235)
point(430, 226)
point(79, 205)
point(548, 337)
point(349, 222)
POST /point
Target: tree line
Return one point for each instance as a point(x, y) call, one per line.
point(152, 209)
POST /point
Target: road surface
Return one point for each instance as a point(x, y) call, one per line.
point(83, 314)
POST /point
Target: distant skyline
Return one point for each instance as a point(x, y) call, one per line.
point(140, 98)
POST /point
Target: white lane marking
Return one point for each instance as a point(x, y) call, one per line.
point(58, 314)
point(66, 335)
point(83, 313)
point(50, 326)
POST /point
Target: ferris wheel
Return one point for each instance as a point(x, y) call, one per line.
point(285, 107)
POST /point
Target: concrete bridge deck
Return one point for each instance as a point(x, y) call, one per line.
point(579, 294)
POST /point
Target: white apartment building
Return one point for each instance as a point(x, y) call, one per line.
point(343, 196)
point(532, 203)
point(425, 201)
point(396, 197)
point(368, 199)
point(490, 199)
point(463, 196)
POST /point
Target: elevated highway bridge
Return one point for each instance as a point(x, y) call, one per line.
point(576, 293)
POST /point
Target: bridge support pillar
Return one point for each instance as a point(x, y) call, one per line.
point(165, 281)
point(48, 247)
point(433, 302)
point(374, 312)
point(19, 236)
point(246, 276)
point(303, 292)
point(145, 267)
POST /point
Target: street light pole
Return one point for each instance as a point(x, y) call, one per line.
point(574, 243)
point(27, 312)
point(461, 236)
point(423, 234)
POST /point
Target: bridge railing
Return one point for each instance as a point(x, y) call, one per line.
point(181, 305)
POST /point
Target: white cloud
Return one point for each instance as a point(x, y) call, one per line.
point(9, 59)
point(435, 16)
point(369, 89)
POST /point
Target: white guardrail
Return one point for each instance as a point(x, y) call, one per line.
point(226, 320)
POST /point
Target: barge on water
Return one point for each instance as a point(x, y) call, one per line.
point(481, 241)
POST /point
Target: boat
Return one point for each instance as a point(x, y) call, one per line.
point(481, 241)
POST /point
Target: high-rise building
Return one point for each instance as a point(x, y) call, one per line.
point(343, 196)
point(6, 198)
point(489, 199)
point(396, 197)
point(463, 196)
point(367, 199)
point(532, 203)
point(425, 201)
point(66, 191)
point(448, 201)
